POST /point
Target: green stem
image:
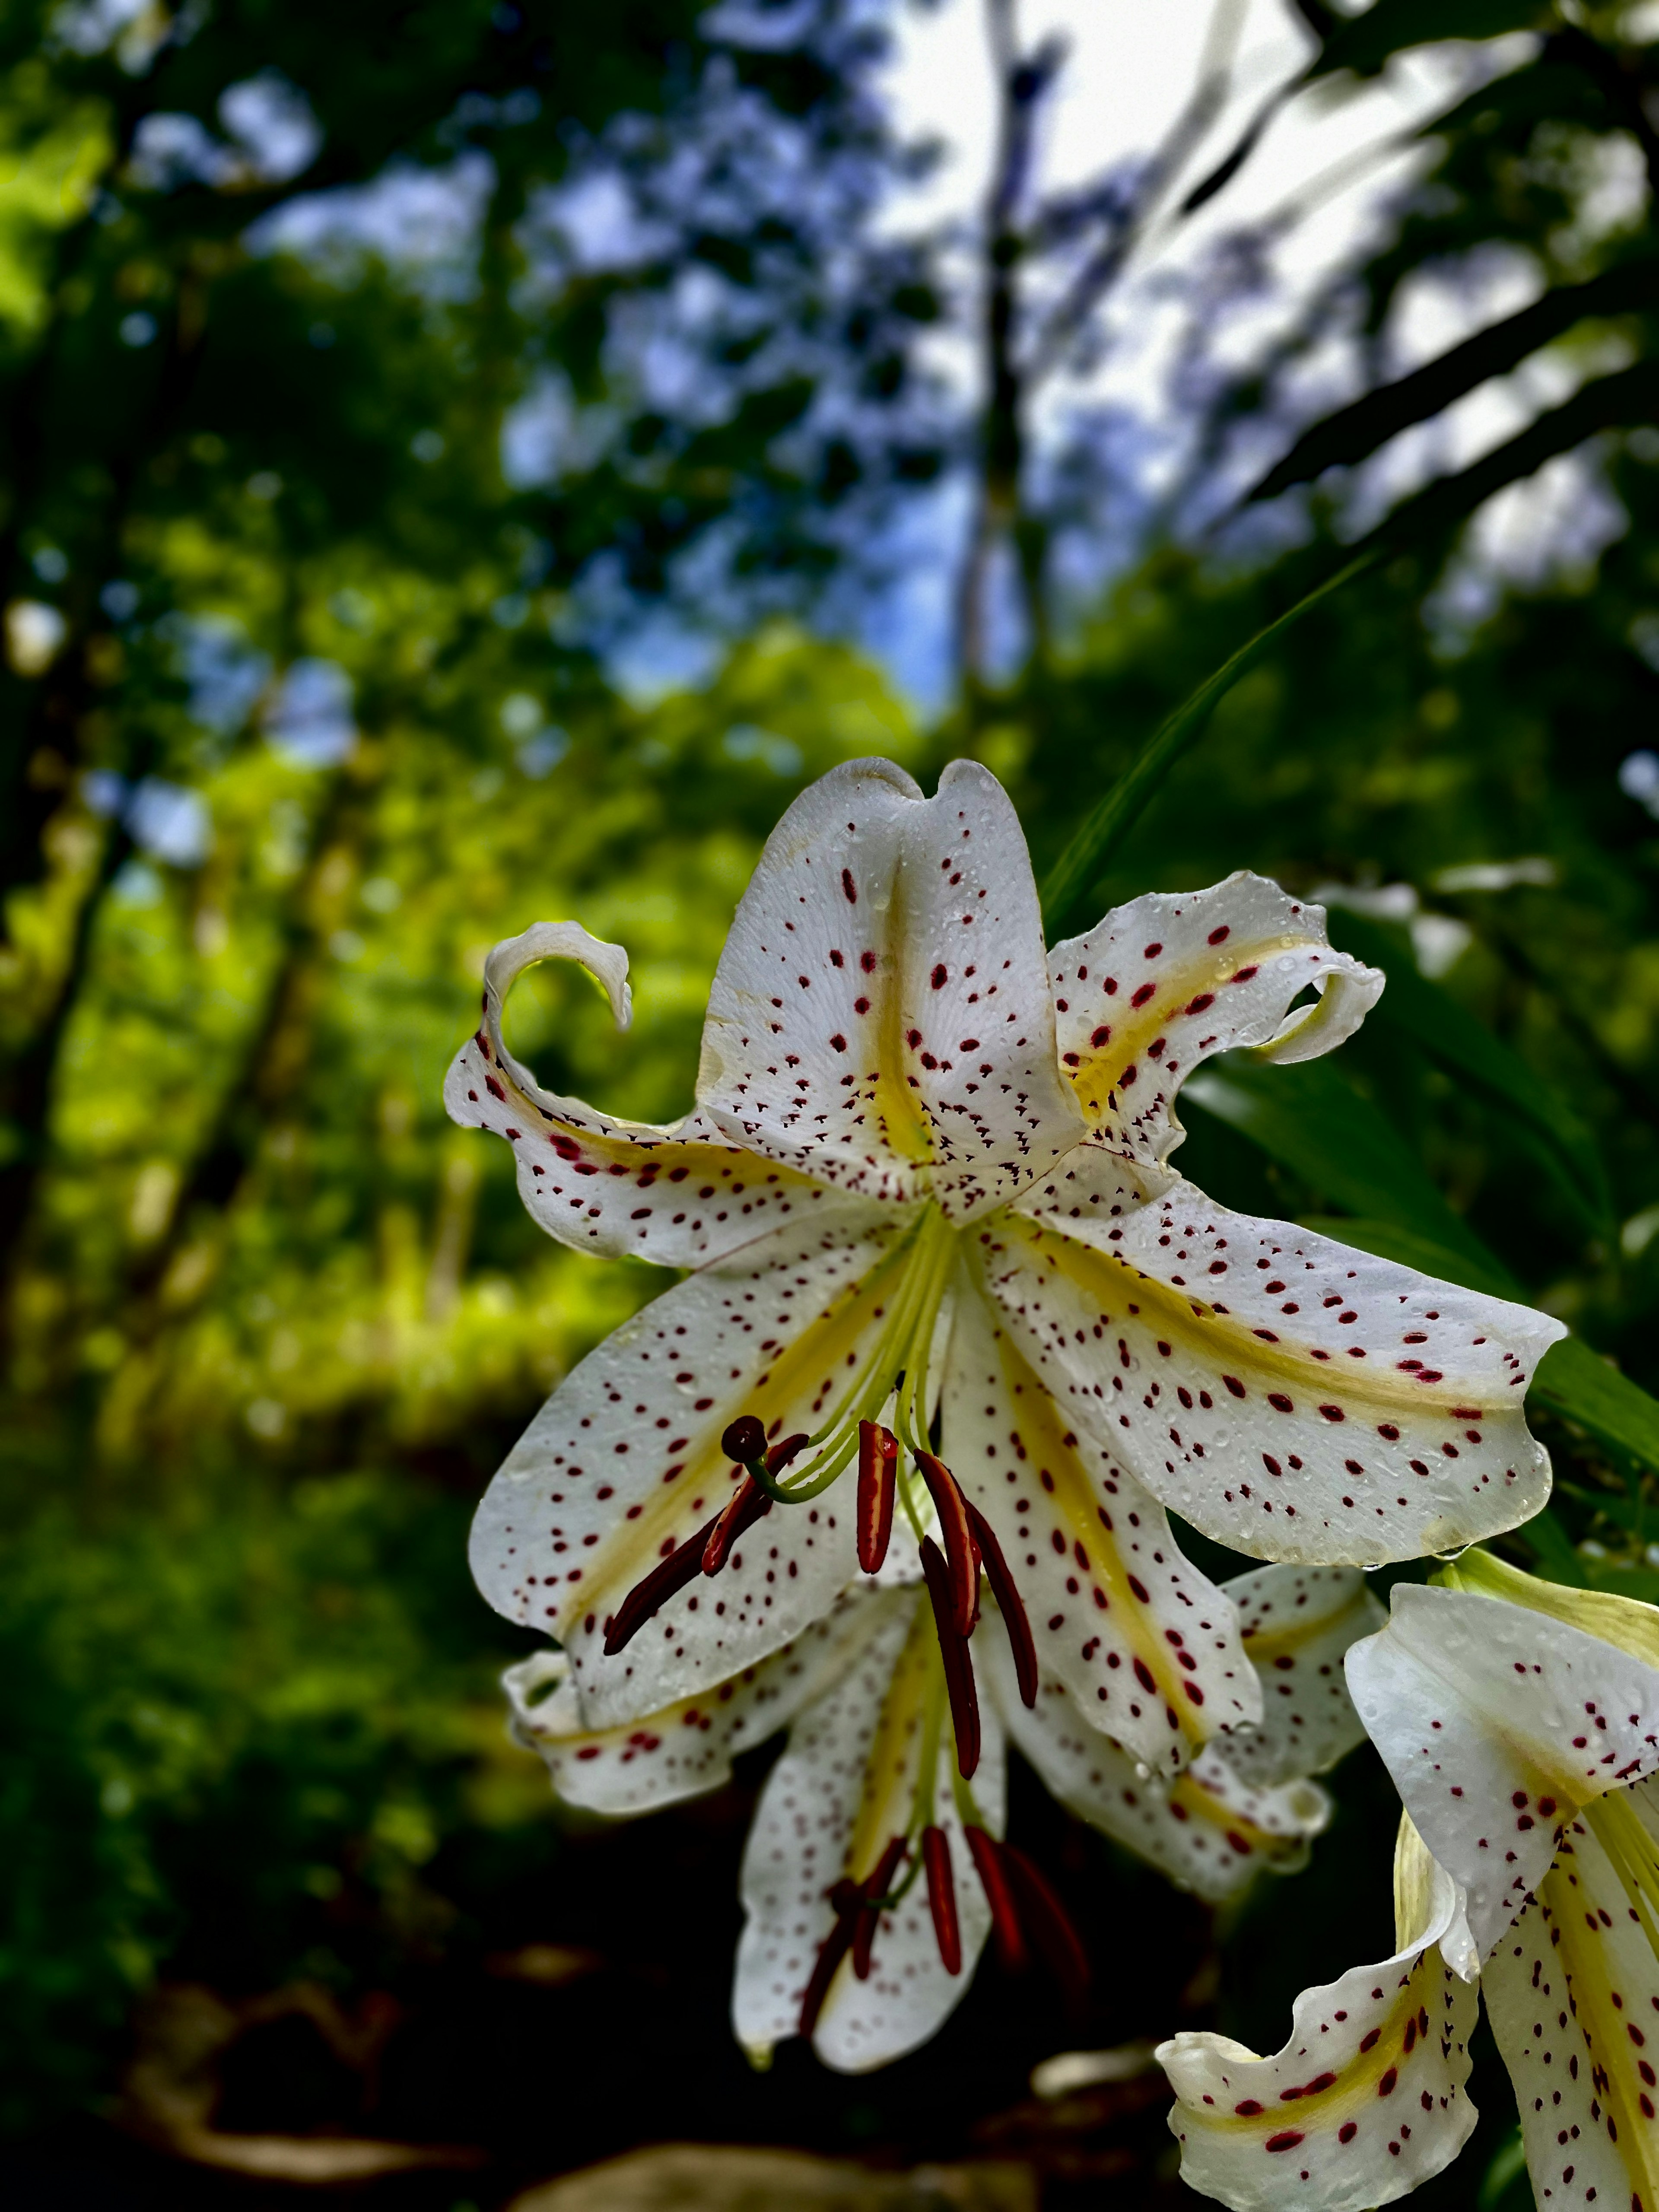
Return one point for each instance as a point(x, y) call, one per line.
point(1113, 816)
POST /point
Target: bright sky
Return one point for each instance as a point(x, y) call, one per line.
point(1327, 160)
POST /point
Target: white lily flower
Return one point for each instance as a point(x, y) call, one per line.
point(874, 1760)
point(925, 1181)
point(1520, 1723)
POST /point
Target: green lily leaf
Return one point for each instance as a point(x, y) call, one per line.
point(1310, 1119)
point(1463, 1045)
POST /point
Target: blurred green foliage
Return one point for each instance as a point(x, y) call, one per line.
point(325, 701)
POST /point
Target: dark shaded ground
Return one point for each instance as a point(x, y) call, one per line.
point(632, 2046)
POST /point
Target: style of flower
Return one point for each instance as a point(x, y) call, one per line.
point(876, 1868)
point(924, 1187)
point(1520, 1723)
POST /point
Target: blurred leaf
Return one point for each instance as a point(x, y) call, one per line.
point(1557, 1554)
point(1391, 25)
point(1115, 815)
point(1310, 1119)
point(1467, 1049)
point(1356, 431)
point(1624, 400)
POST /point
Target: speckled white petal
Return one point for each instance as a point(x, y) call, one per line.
point(1365, 2102)
point(685, 1748)
point(679, 1196)
point(1160, 985)
point(1290, 1397)
point(1148, 1649)
point(843, 1786)
point(624, 1461)
point(1498, 1724)
point(1297, 1624)
point(1572, 1993)
point(881, 1006)
point(1205, 1830)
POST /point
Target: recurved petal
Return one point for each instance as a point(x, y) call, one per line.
point(1164, 982)
point(680, 1196)
point(624, 1462)
point(1572, 1992)
point(1497, 1725)
point(1364, 2103)
point(845, 1785)
point(687, 1747)
point(1297, 1624)
point(1290, 1397)
point(1205, 1829)
point(1148, 1649)
point(881, 1006)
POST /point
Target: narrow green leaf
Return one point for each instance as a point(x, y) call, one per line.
point(1310, 1119)
point(1576, 1382)
point(1356, 431)
point(1557, 1554)
point(1112, 817)
point(1463, 1045)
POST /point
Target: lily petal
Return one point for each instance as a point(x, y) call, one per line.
point(845, 1785)
point(1289, 1396)
point(680, 1195)
point(1297, 1624)
point(1499, 1725)
point(624, 1462)
point(1148, 1649)
point(1160, 985)
point(881, 1018)
point(687, 1747)
point(1208, 1831)
point(1572, 1992)
point(1364, 2103)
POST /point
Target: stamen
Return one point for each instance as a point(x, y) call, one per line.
point(993, 1880)
point(1041, 1913)
point(664, 1581)
point(958, 1532)
point(847, 1898)
point(876, 1887)
point(942, 1897)
point(748, 1504)
point(953, 1652)
point(1010, 1605)
point(878, 1489)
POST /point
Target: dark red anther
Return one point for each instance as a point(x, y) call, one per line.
point(958, 1532)
point(942, 1897)
point(878, 1489)
point(953, 1651)
point(1010, 1604)
point(744, 1440)
point(748, 1504)
point(665, 1580)
point(876, 1887)
point(1049, 1926)
point(993, 1880)
point(847, 1899)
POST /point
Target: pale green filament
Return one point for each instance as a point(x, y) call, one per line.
point(896, 1369)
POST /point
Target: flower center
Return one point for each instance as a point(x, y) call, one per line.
point(893, 1374)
